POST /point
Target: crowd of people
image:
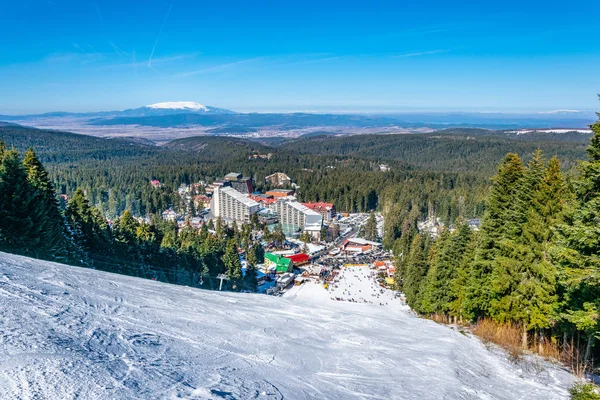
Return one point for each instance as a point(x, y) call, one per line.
point(357, 285)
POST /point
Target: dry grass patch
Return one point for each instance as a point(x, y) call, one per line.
point(507, 336)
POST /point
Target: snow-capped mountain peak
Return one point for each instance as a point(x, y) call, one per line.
point(564, 111)
point(179, 105)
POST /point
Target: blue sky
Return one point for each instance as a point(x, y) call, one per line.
point(306, 55)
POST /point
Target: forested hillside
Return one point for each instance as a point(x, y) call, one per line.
point(532, 266)
point(32, 223)
point(447, 173)
point(452, 150)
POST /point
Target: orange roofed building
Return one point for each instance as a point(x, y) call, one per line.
point(327, 210)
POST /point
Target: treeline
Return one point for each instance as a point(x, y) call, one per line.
point(535, 262)
point(450, 179)
point(458, 150)
point(33, 224)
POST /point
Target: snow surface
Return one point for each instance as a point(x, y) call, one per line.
point(68, 332)
point(354, 284)
point(176, 105)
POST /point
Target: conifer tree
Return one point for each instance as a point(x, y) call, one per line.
point(439, 293)
point(578, 249)
point(88, 227)
point(251, 256)
point(416, 270)
point(497, 226)
point(259, 251)
point(370, 227)
point(22, 214)
point(54, 240)
point(231, 259)
point(458, 308)
point(125, 229)
point(250, 279)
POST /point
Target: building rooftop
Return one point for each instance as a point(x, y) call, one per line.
point(241, 197)
point(362, 241)
point(302, 208)
point(299, 258)
point(319, 205)
point(233, 176)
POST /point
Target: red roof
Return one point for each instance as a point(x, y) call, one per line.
point(262, 199)
point(299, 258)
point(319, 205)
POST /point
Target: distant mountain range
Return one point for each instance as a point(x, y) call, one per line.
point(168, 120)
point(158, 109)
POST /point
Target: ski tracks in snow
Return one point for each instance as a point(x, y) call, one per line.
point(69, 332)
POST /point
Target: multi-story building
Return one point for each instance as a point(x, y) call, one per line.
point(278, 179)
point(327, 210)
point(240, 183)
point(220, 183)
point(232, 205)
point(295, 216)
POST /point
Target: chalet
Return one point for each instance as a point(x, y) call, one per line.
point(201, 201)
point(278, 179)
point(169, 215)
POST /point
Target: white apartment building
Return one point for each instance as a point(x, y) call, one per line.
point(294, 214)
point(230, 204)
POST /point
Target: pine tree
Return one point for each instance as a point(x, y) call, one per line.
point(578, 248)
point(125, 229)
point(370, 228)
point(88, 227)
point(523, 278)
point(22, 214)
point(439, 292)
point(497, 226)
point(231, 259)
point(458, 307)
point(259, 251)
point(250, 279)
point(54, 241)
point(416, 270)
point(251, 256)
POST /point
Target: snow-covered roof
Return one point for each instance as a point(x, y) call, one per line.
point(363, 242)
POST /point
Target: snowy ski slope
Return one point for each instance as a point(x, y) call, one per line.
point(68, 332)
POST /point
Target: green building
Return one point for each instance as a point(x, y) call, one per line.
point(282, 264)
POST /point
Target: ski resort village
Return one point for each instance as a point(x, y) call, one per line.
point(301, 242)
point(325, 321)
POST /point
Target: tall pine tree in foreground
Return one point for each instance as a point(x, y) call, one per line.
point(578, 249)
point(22, 214)
point(415, 272)
point(498, 225)
point(523, 280)
point(54, 241)
point(440, 291)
